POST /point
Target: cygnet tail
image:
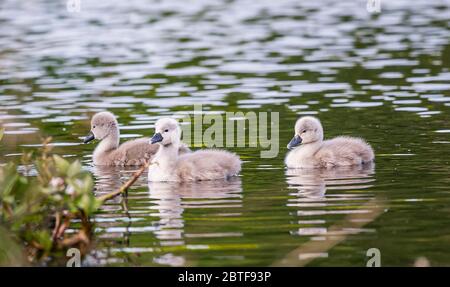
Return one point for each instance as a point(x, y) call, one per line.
point(367, 155)
point(232, 164)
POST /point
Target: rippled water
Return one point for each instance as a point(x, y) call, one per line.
point(383, 77)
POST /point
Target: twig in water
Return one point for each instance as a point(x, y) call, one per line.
point(127, 184)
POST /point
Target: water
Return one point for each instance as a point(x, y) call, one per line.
point(383, 77)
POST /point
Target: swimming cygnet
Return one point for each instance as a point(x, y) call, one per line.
point(169, 165)
point(309, 150)
point(105, 128)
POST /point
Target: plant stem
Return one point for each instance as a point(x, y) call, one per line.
point(127, 184)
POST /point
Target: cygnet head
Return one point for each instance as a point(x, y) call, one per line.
point(307, 130)
point(167, 132)
point(103, 124)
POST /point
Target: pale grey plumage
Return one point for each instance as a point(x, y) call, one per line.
point(105, 128)
point(168, 165)
point(316, 153)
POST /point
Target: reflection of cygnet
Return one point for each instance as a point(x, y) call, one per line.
point(111, 178)
point(172, 198)
point(313, 183)
point(216, 189)
point(107, 178)
point(168, 208)
point(105, 128)
point(309, 150)
point(200, 165)
point(308, 185)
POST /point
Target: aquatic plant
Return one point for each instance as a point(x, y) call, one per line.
point(37, 211)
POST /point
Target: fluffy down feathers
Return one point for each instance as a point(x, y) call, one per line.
point(310, 151)
point(207, 165)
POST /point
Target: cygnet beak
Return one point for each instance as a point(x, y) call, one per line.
point(156, 138)
point(295, 141)
point(89, 137)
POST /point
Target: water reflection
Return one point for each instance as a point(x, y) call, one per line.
point(316, 208)
point(114, 221)
point(332, 205)
point(313, 183)
point(108, 178)
point(382, 77)
point(111, 178)
point(158, 216)
point(172, 199)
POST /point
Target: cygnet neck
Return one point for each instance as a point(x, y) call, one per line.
point(171, 147)
point(166, 156)
point(110, 142)
point(311, 146)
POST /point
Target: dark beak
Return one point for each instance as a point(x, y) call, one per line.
point(156, 138)
point(89, 138)
point(295, 141)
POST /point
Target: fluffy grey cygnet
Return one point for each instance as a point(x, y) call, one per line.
point(104, 127)
point(309, 150)
point(169, 165)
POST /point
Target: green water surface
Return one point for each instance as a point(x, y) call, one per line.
point(383, 77)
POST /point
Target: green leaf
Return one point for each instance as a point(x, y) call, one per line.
point(88, 203)
point(7, 181)
point(62, 165)
point(74, 169)
point(10, 252)
point(43, 238)
point(87, 184)
point(2, 131)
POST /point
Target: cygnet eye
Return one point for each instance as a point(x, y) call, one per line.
point(304, 131)
point(166, 130)
point(93, 127)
